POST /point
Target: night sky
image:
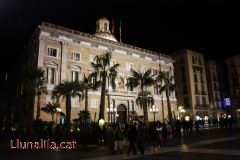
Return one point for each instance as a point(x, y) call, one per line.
point(209, 27)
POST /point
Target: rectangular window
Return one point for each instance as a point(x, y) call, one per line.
point(51, 75)
point(154, 71)
point(195, 78)
point(197, 100)
point(75, 76)
point(112, 62)
point(199, 61)
point(143, 69)
point(204, 101)
point(193, 59)
point(75, 101)
point(196, 89)
point(52, 52)
point(202, 81)
point(129, 66)
point(76, 56)
point(94, 103)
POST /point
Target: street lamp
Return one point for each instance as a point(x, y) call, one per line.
point(181, 111)
point(154, 110)
point(111, 110)
point(58, 111)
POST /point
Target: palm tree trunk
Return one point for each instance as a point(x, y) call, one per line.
point(68, 113)
point(86, 100)
point(145, 114)
point(162, 108)
point(102, 102)
point(170, 118)
point(38, 106)
point(52, 117)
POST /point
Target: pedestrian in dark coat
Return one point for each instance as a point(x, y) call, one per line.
point(141, 135)
point(132, 136)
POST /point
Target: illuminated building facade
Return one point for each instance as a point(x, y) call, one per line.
point(233, 67)
point(192, 92)
point(216, 88)
point(65, 55)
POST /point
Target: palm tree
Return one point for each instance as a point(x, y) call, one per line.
point(143, 80)
point(144, 100)
point(40, 87)
point(51, 108)
point(36, 80)
point(87, 84)
point(166, 81)
point(68, 90)
point(103, 68)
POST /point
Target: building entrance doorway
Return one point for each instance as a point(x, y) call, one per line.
point(121, 114)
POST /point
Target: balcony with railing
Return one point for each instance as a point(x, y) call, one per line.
point(123, 92)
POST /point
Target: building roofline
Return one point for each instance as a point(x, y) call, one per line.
point(233, 57)
point(92, 37)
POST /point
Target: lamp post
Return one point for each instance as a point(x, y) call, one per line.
point(58, 111)
point(111, 110)
point(154, 110)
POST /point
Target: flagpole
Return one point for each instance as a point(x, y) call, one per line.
point(120, 31)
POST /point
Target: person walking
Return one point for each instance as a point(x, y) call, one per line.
point(118, 139)
point(164, 134)
point(132, 135)
point(141, 135)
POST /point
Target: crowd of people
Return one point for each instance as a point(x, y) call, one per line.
point(116, 136)
point(125, 137)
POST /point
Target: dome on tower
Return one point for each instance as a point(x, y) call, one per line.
point(102, 29)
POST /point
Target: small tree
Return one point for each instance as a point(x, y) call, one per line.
point(145, 100)
point(68, 90)
point(51, 108)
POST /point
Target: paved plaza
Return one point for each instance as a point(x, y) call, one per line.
point(220, 144)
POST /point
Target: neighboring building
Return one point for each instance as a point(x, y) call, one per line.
point(191, 83)
point(216, 88)
point(65, 55)
point(233, 66)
